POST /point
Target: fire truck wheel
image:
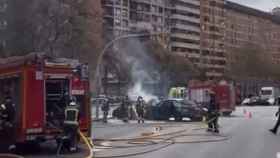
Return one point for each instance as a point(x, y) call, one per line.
point(28, 147)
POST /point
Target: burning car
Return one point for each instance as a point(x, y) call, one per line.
point(179, 110)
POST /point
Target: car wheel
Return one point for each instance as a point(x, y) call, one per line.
point(178, 119)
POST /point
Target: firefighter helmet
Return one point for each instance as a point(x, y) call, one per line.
point(72, 103)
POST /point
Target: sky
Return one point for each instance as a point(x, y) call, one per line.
point(265, 5)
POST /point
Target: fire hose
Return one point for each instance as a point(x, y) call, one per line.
point(89, 144)
point(86, 140)
point(164, 141)
point(10, 156)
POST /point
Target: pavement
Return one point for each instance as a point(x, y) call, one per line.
point(243, 135)
point(249, 138)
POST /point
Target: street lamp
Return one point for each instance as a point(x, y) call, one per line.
point(108, 45)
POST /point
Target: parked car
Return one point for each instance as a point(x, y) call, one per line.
point(253, 100)
point(177, 109)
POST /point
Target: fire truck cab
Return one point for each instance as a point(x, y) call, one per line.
point(41, 87)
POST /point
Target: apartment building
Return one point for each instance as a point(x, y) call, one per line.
point(185, 29)
point(134, 16)
point(213, 53)
point(250, 27)
point(178, 19)
point(116, 16)
point(149, 15)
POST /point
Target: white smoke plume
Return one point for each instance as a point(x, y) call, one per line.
point(143, 69)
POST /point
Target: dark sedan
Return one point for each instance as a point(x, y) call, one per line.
point(177, 109)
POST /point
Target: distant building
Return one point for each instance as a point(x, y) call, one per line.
point(248, 26)
point(213, 53)
point(185, 29)
point(204, 31)
point(179, 21)
point(276, 11)
point(116, 16)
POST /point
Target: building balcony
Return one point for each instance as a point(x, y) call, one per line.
point(185, 45)
point(193, 2)
point(193, 55)
point(187, 27)
point(142, 1)
point(142, 25)
point(213, 66)
point(210, 49)
point(191, 10)
point(186, 36)
point(186, 18)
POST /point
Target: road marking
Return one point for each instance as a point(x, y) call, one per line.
point(278, 155)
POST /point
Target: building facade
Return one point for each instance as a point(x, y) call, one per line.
point(204, 31)
point(213, 53)
point(178, 20)
point(248, 27)
point(185, 29)
point(116, 17)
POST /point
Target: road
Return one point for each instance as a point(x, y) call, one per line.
point(249, 138)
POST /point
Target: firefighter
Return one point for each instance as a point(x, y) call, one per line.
point(140, 109)
point(105, 108)
point(274, 130)
point(71, 125)
point(212, 113)
point(7, 121)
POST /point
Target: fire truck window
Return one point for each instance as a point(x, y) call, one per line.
point(11, 86)
point(57, 98)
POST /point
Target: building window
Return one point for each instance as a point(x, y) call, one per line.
point(125, 3)
point(118, 12)
point(3, 24)
point(160, 10)
point(154, 9)
point(124, 13)
point(117, 2)
point(3, 7)
point(117, 22)
point(125, 23)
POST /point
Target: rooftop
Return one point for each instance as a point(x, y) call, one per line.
point(252, 11)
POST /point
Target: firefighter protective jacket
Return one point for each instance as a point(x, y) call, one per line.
point(72, 115)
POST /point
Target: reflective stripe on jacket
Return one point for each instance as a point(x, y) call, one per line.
point(71, 115)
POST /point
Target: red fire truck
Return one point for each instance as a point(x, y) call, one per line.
point(225, 95)
point(40, 88)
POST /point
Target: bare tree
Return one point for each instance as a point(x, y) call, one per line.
point(251, 61)
point(64, 28)
point(56, 27)
point(178, 68)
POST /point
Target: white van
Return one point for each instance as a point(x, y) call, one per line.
point(269, 94)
